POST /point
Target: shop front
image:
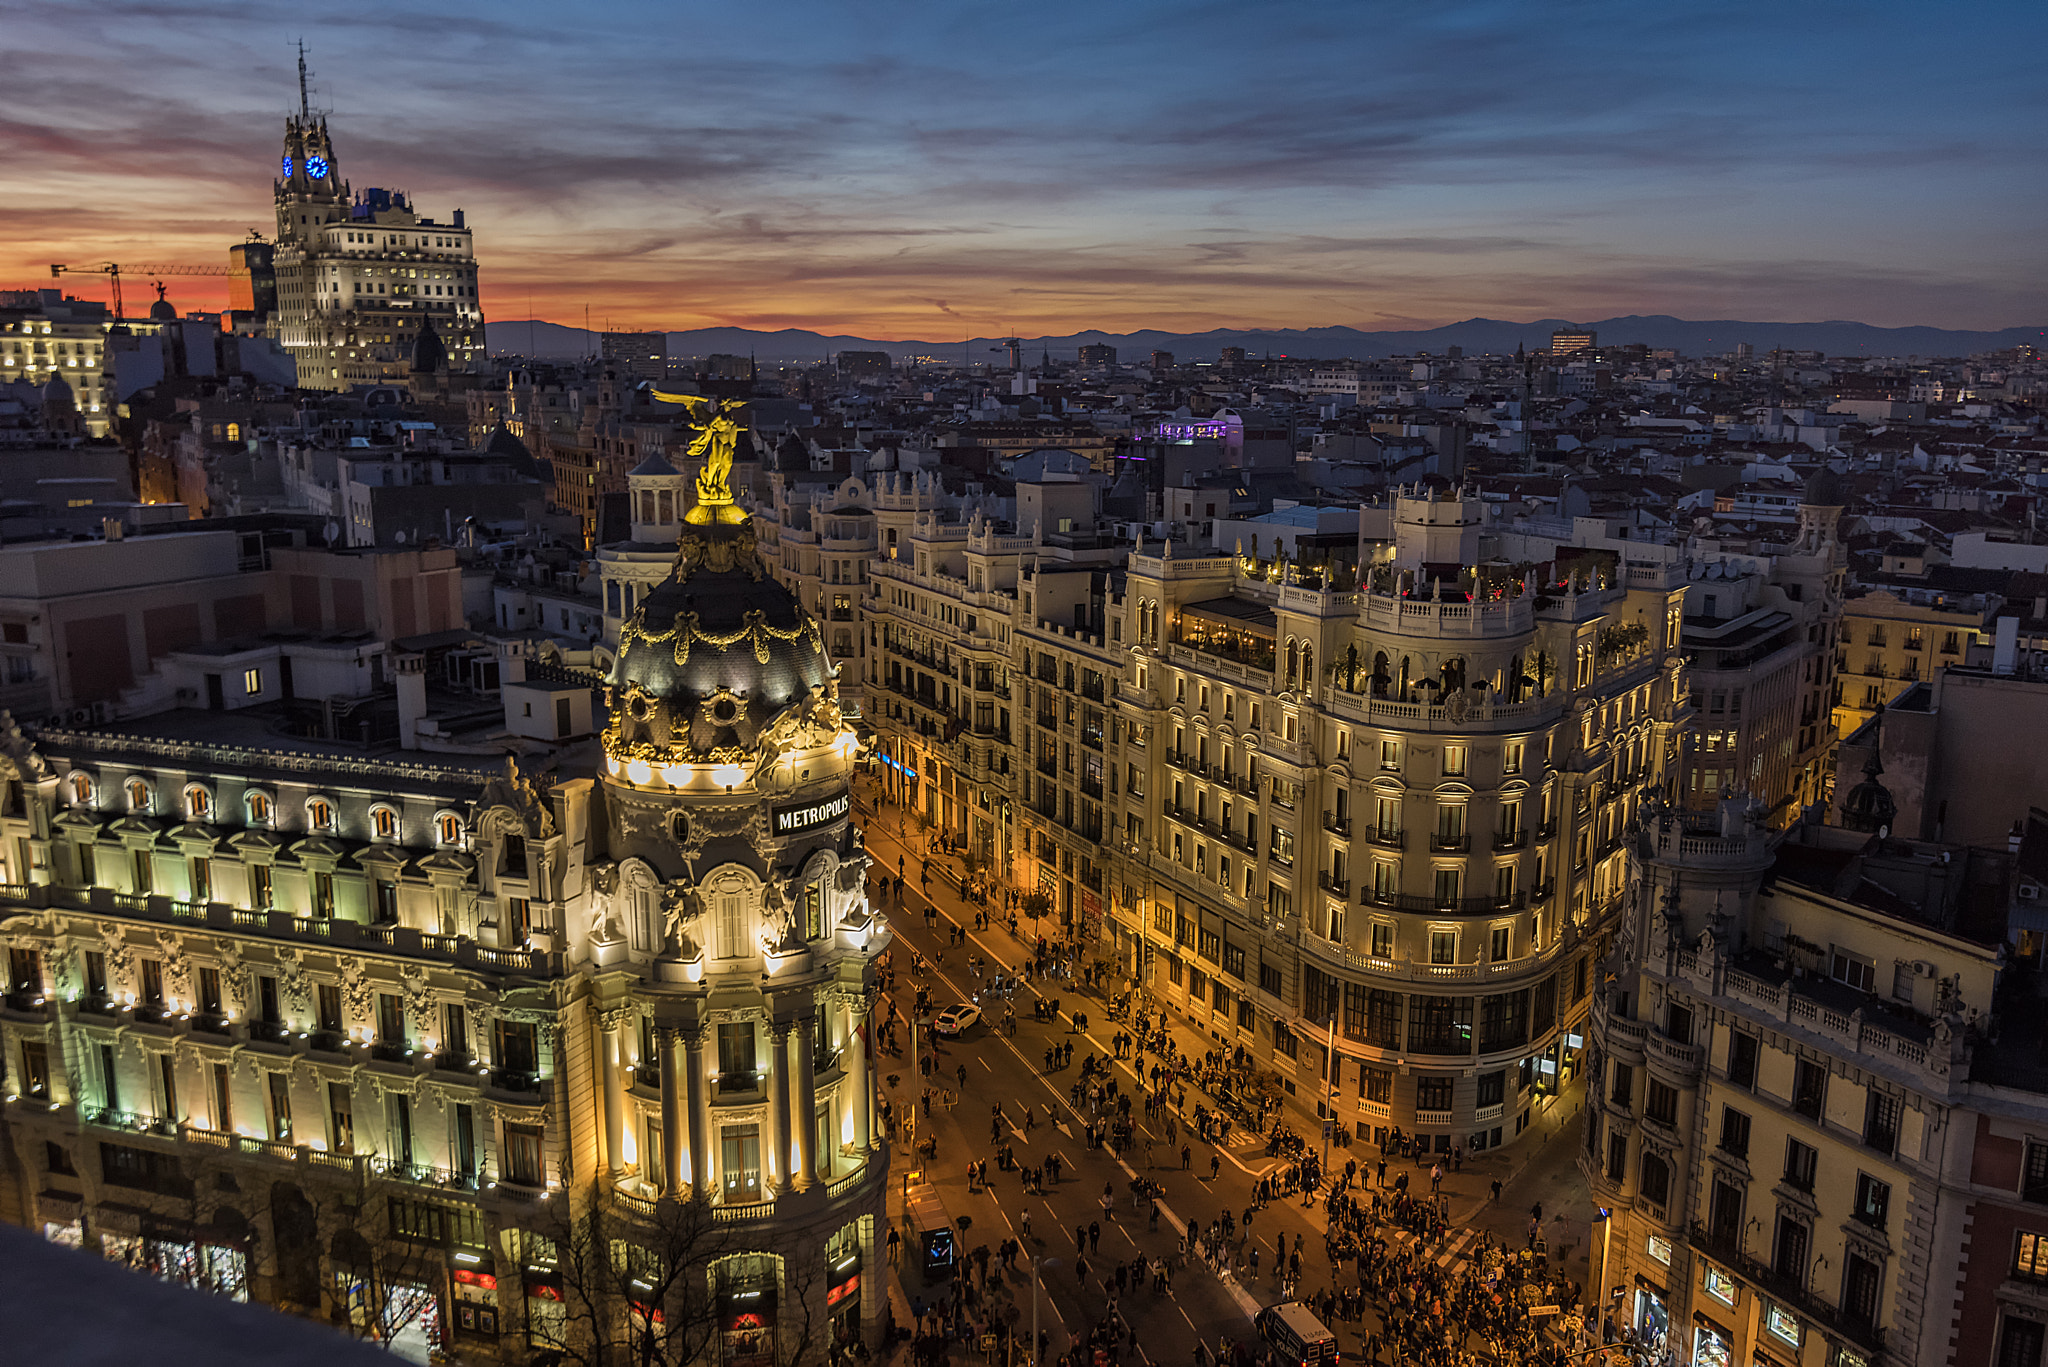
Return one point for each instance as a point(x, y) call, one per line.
point(1712, 1343)
point(1651, 1319)
point(476, 1301)
point(746, 1327)
point(842, 1299)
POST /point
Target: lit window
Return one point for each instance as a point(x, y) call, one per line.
point(81, 790)
point(138, 795)
point(320, 814)
point(198, 804)
point(386, 823)
point(252, 682)
point(1719, 1285)
point(259, 809)
point(450, 828)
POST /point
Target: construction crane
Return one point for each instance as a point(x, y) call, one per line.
point(113, 270)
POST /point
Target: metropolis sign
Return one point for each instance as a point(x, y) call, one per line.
point(796, 820)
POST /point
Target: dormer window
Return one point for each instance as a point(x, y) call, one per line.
point(259, 809)
point(384, 823)
point(320, 814)
point(81, 790)
point(138, 795)
point(448, 829)
point(198, 804)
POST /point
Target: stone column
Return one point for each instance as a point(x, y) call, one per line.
point(611, 1054)
point(805, 1102)
point(778, 1107)
point(856, 1072)
point(673, 1139)
point(698, 1115)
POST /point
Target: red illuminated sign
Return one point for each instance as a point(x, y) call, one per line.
point(836, 1294)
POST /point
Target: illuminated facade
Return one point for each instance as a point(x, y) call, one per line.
point(1388, 814)
point(44, 337)
point(382, 1039)
point(360, 277)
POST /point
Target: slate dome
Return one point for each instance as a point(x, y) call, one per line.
point(719, 624)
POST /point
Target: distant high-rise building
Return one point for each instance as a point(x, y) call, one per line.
point(641, 355)
point(359, 278)
point(1231, 355)
point(252, 289)
point(1571, 341)
point(1098, 353)
point(1162, 360)
point(1745, 351)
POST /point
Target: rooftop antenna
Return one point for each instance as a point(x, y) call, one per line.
point(305, 106)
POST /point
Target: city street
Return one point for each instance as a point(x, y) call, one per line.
point(985, 1068)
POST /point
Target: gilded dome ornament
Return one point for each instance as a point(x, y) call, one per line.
point(717, 442)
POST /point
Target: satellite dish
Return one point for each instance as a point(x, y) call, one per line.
point(398, 537)
point(332, 531)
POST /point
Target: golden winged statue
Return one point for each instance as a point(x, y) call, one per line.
point(717, 422)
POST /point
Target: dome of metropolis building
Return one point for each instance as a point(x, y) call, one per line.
point(716, 651)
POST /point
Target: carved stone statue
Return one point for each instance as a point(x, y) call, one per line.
point(682, 909)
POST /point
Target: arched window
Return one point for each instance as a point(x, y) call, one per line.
point(198, 804)
point(448, 828)
point(320, 814)
point(1308, 666)
point(384, 823)
point(259, 809)
point(138, 795)
point(81, 790)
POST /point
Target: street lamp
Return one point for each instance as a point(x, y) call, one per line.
point(1604, 1217)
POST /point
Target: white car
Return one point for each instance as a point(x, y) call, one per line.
point(954, 1020)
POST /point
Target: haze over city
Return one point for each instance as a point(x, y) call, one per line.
point(926, 171)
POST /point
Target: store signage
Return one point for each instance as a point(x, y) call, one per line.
point(797, 820)
point(836, 1294)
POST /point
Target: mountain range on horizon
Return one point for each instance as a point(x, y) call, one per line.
point(1478, 336)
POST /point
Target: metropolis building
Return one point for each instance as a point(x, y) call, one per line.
point(458, 1053)
point(361, 277)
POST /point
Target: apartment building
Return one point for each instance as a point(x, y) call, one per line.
point(1897, 636)
point(1382, 805)
point(1816, 1102)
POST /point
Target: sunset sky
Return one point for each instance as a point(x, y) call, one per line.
point(939, 170)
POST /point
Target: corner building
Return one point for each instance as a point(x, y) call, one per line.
point(1382, 803)
point(451, 1058)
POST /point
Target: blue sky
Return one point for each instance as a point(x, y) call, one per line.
point(931, 170)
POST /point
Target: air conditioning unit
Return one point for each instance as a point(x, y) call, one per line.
point(1922, 968)
point(81, 716)
point(2030, 891)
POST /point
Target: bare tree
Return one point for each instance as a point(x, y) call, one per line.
point(388, 1237)
point(638, 1278)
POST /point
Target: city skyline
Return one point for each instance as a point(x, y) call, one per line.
point(928, 172)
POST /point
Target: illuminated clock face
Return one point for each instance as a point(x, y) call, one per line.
point(287, 166)
point(316, 167)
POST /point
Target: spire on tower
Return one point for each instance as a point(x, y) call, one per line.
point(305, 107)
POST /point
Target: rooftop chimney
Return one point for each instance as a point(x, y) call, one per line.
point(412, 697)
point(2005, 646)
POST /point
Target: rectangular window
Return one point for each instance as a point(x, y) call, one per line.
point(390, 1019)
point(1734, 1132)
point(323, 895)
point(2019, 1342)
point(1853, 969)
point(523, 1164)
point(1433, 1093)
point(259, 887)
point(35, 1069)
point(153, 984)
point(736, 1052)
point(1377, 1086)
point(1809, 1089)
point(1454, 761)
point(1881, 1122)
point(1742, 1060)
point(2034, 1181)
point(328, 998)
point(1492, 1088)
point(1802, 1161)
point(278, 1087)
point(2030, 1258)
point(1622, 1093)
point(1269, 979)
point(341, 1118)
point(1873, 1200)
point(1443, 946)
point(1789, 1259)
point(202, 879)
point(1617, 1157)
point(1382, 940)
point(1660, 1103)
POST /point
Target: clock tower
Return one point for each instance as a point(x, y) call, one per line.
point(361, 275)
